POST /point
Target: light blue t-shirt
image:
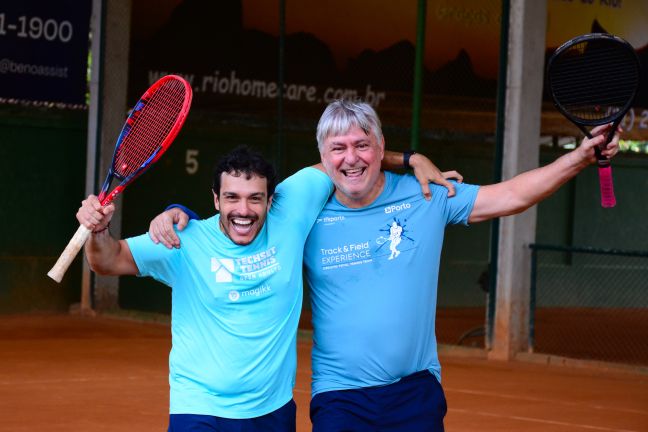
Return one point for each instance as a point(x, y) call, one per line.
point(235, 309)
point(373, 275)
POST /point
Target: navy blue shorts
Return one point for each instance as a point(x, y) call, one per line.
point(281, 420)
point(415, 403)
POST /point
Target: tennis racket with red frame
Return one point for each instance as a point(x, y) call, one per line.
point(594, 79)
point(149, 130)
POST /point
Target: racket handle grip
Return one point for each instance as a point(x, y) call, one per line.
point(70, 252)
point(607, 187)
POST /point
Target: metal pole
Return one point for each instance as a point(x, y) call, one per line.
point(417, 92)
point(97, 23)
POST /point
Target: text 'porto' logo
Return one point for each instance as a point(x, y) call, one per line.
point(397, 207)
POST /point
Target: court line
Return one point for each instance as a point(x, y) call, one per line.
point(552, 401)
point(535, 420)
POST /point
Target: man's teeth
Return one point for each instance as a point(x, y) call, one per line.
point(354, 171)
point(242, 221)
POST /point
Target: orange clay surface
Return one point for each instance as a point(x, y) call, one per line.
point(74, 373)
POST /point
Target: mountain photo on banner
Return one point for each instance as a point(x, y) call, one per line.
point(339, 45)
point(229, 49)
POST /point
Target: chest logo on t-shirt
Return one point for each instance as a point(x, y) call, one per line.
point(329, 220)
point(388, 245)
point(397, 207)
point(246, 268)
point(223, 267)
point(394, 235)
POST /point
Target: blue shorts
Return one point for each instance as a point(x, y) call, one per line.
point(415, 403)
point(281, 420)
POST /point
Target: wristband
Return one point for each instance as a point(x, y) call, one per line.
point(192, 214)
point(407, 154)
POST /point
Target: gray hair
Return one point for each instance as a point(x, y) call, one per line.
point(341, 115)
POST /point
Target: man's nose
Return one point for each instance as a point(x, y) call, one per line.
point(351, 156)
point(243, 208)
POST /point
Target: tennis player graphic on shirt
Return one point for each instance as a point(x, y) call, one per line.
point(395, 232)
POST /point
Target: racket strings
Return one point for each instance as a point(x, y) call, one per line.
point(594, 80)
point(608, 84)
point(150, 127)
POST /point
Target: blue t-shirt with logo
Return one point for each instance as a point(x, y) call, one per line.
point(373, 275)
point(235, 309)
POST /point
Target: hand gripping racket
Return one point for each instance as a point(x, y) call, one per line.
point(593, 80)
point(148, 132)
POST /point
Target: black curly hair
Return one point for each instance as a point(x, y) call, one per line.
point(244, 161)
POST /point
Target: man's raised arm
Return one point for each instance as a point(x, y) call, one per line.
point(524, 190)
point(106, 255)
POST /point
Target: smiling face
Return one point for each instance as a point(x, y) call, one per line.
point(352, 160)
point(243, 204)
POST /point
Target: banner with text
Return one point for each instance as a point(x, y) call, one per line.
point(44, 50)
point(229, 51)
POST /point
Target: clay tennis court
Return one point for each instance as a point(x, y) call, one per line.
point(74, 373)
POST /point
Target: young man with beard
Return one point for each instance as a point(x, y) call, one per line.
point(236, 293)
point(374, 360)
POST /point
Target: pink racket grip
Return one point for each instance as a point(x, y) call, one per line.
point(607, 187)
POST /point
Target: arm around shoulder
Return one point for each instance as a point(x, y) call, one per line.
point(424, 170)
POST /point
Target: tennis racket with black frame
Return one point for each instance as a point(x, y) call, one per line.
point(150, 128)
point(593, 80)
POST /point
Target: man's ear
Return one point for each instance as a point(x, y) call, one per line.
point(216, 203)
point(382, 147)
point(269, 202)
